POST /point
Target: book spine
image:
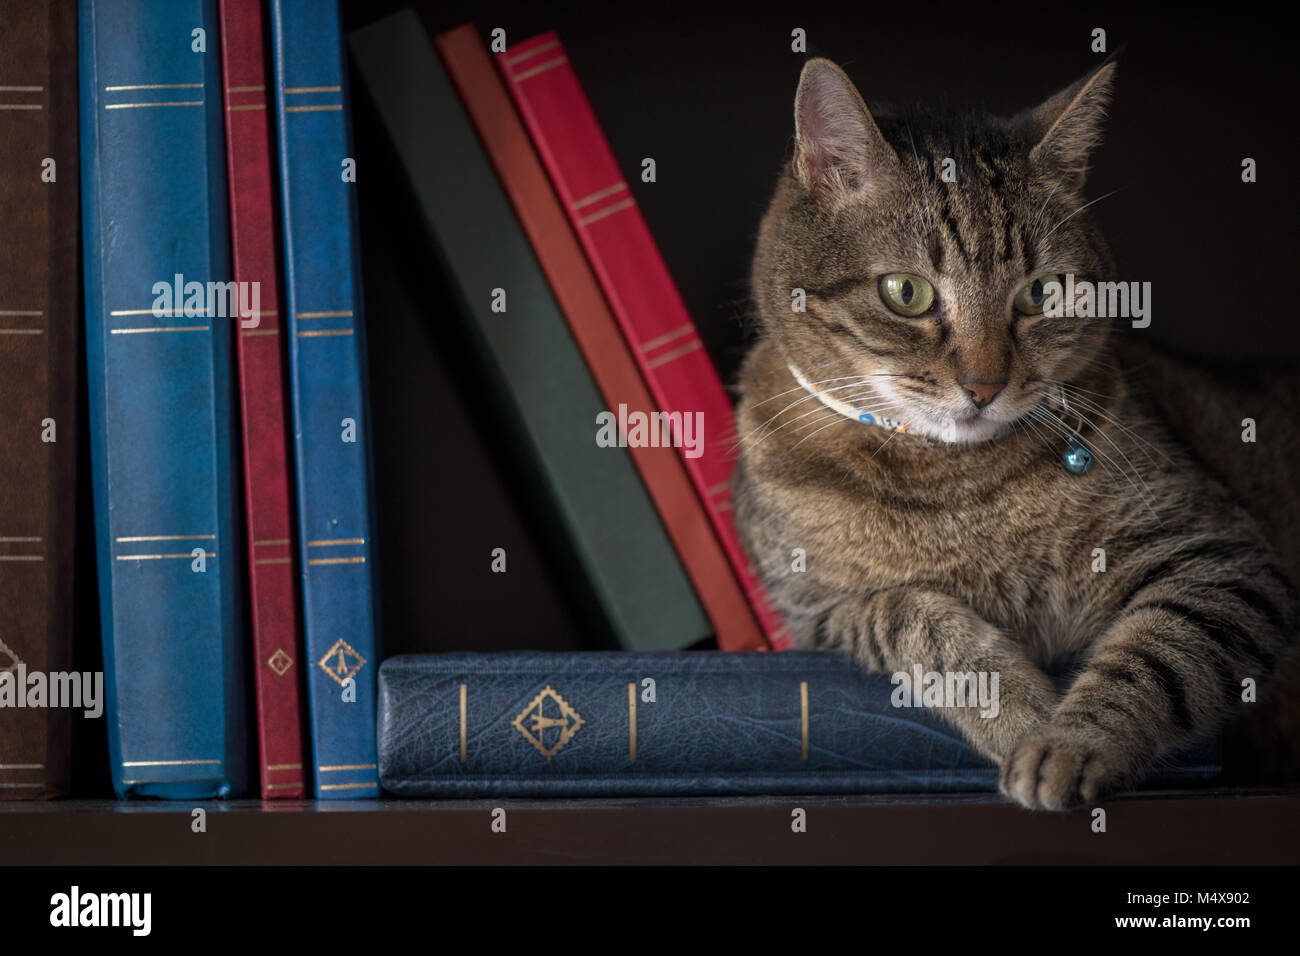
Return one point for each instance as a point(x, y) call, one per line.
point(641, 293)
point(327, 369)
point(268, 524)
point(40, 340)
point(547, 724)
point(531, 368)
point(610, 724)
point(596, 333)
point(158, 333)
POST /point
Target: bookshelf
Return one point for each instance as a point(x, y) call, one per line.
point(432, 515)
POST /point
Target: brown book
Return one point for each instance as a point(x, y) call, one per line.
point(40, 322)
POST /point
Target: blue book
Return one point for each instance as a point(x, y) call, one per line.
point(673, 723)
point(327, 381)
point(158, 342)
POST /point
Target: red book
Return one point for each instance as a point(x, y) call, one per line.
point(596, 333)
point(641, 293)
point(266, 475)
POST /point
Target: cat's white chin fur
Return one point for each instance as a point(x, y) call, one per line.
point(969, 432)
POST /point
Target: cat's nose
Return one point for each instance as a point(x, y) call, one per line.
point(981, 393)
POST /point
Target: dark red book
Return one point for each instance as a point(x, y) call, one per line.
point(641, 293)
point(271, 561)
point(594, 329)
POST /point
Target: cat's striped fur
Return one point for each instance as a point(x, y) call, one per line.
point(980, 553)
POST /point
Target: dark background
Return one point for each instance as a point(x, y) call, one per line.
point(708, 93)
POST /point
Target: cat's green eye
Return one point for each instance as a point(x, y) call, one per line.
point(907, 295)
point(1030, 299)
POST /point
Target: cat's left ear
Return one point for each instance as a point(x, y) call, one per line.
point(1067, 127)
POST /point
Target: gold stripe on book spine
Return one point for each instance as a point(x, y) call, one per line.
point(803, 717)
point(156, 86)
point(164, 328)
point(607, 211)
point(667, 337)
point(136, 106)
point(162, 557)
point(600, 194)
point(22, 313)
point(464, 715)
point(675, 354)
point(549, 65)
point(519, 58)
point(631, 722)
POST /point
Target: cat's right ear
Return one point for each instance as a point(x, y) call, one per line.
point(839, 151)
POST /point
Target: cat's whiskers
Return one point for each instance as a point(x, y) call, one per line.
point(883, 444)
point(822, 408)
point(800, 388)
point(920, 176)
point(1095, 408)
point(1043, 207)
point(844, 418)
point(1074, 489)
point(800, 401)
point(872, 408)
point(1076, 212)
point(1139, 486)
point(820, 430)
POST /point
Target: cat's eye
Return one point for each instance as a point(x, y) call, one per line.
point(906, 294)
point(1030, 299)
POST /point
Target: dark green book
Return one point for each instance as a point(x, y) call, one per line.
point(532, 365)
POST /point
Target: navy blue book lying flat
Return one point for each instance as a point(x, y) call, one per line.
point(674, 723)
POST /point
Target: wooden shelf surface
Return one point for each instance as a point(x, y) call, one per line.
point(1150, 828)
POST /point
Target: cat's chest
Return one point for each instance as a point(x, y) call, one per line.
point(1010, 548)
point(955, 536)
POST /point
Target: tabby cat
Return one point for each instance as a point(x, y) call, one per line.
point(936, 471)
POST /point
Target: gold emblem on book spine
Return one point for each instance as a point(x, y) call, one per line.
point(280, 662)
point(341, 661)
point(533, 723)
point(8, 658)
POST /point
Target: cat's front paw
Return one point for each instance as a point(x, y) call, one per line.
point(1057, 769)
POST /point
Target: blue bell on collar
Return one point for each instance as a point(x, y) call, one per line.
point(1076, 459)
